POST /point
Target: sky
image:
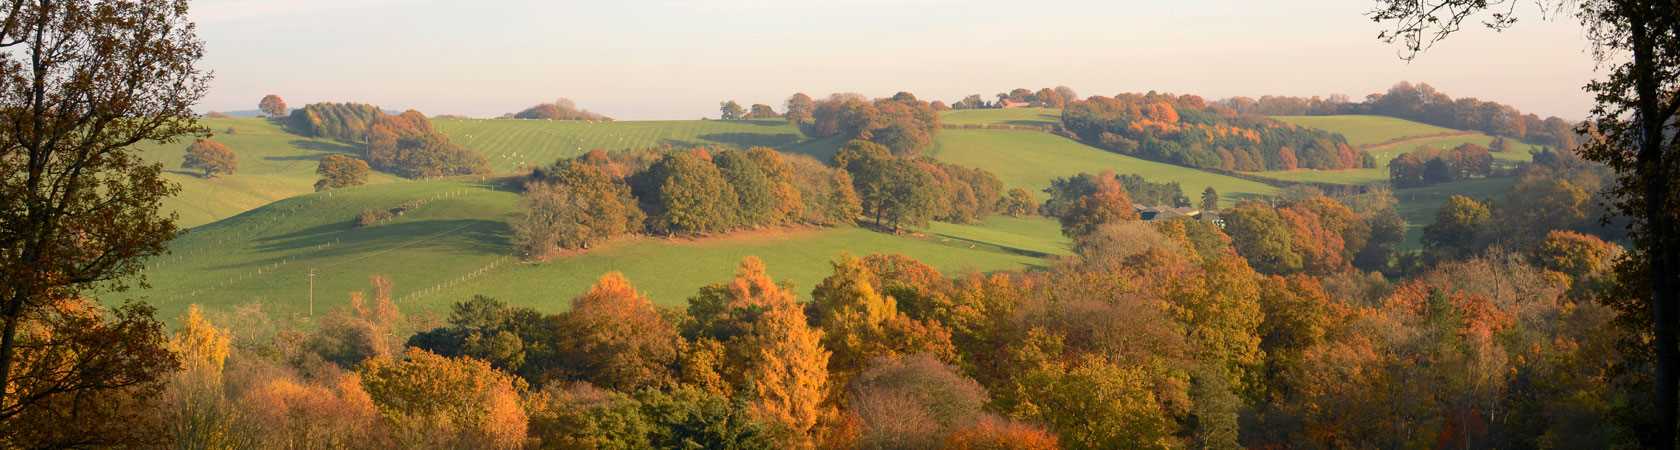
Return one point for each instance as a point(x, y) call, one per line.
point(677, 59)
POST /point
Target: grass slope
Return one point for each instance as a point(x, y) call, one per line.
point(510, 143)
point(1030, 159)
point(273, 165)
point(455, 245)
point(1395, 136)
point(1012, 116)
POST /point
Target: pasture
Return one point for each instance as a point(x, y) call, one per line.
point(1386, 138)
point(1031, 117)
point(1030, 159)
point(511, 144)
point(457, 243)
point(273, 165)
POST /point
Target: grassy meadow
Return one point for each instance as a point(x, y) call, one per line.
point(458, 243)
point(1012, 116)
point(273, 165)
point(1030, 159)
point(510, 144)
point(1386, 138)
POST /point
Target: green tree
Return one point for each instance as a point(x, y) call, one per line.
point(731, 111)
point(689, 196)
point(85, 81)
point(1260, 235)
point(755, 194)
point(1461, 228)
point(575, 205)
point(1210, 199)
point(211, 157)
point(338, 171)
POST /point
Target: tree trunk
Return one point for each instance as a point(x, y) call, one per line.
point(1652, 170)
point(8, 346)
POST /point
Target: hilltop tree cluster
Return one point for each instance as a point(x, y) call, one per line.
point(1055, 97)
point(1428, 165)
point(403, 144)
point(1188, 131)
point(902, 123)
point(560, 109)
point(211, 157)
point(1421, 102)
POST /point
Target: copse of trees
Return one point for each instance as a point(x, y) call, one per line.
point(338, 171)
point(1315, 235)
point(897, 191)
point(902, 123)
point(581, 201)
point(799, 108)
point(1085, 202)
point(211, 157)
point(1428, 165)
point(1422, 103)
point(1186, 130)
point(560, 109)
point(762, 111)
point(406, 145)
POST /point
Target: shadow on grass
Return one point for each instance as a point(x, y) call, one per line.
point(322, 146)
point(747, 140)
point(1003, 248)
point(460, 236)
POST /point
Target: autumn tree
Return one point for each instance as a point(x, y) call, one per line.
point(762, 111)
point(339, 171)
point(799, 108)
point(406, 144)
point(211, 157)
point(433, 401)
point(774, 359)
point(576, 205)
point(615, 338)
point(730, 110)
point(861, 324)
point(85, 81)
point(560, 109)
point(1018, 203)
point(1083, 202)
point(913, 401)
point(83, 375)
point(272, 105)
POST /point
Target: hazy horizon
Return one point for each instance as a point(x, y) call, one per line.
point(683, 57)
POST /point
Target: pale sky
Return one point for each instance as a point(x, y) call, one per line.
point(676, 59)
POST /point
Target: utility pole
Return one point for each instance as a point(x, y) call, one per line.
point(311, 292)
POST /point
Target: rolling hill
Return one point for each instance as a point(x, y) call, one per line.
point(273, 165)
point(511, 143)
point(1012, 116)
point(1030, 159)
point(457, 243)
point(1385, 138)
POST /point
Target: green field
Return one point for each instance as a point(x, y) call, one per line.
point(1419, 205)
point(457, 243)
point(1374, 129)
point(273, 165)
point(1362, 130)
point(1030, 159)
point(1031, 117)
point(511, 144)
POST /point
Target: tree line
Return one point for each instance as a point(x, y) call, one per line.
point(902, 123)
point(1055, 97)
point(1189, 131)
point(404, 144)
point(560, 109)
point(1422, 103)
point(1429, 165)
